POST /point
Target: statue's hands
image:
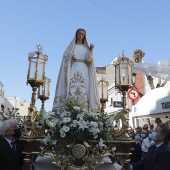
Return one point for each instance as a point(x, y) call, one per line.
point(73, 58)
point(91, 47)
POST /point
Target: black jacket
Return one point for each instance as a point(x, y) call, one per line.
point(158, 159)
point(8, 160)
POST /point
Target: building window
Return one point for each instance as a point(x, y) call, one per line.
point(101, 70)
point(111, 101)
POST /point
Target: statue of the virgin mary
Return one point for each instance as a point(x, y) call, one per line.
point(77, 75)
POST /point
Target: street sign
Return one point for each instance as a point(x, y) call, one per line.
point(133, 94)
point(117, 104)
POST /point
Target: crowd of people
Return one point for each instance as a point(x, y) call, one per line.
point(143, 157)
point(151, 149)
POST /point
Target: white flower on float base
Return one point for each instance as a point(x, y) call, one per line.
point(106, 116)
point(93, 124)
point(95, 136)
point(46, 116)
point(56, 121)
point(51, 124)
point(47, 121)
point(65, 114)
point(74, 123)
point(83, 124)
point(76, 108)
point(63, 135)
point(46, 139)
point(50, 113)
point(36, 123)
point(92, 114)
point(100, 142)
point(80, 116)
point(66, 119)
point(65, 128)
point(100, 124)
point(94, 131)
point(54, 143)
point(108, 121)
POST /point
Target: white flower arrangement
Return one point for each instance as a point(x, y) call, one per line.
point(75, 123)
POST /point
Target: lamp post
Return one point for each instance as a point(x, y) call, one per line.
point(36, 71)
point(44, 91)
point(103, 92)
point(123, 81)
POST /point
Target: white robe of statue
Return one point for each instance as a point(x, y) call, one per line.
point(77, 79)
point(79, 76)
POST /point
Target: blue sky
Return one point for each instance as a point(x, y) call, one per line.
point(111, 25)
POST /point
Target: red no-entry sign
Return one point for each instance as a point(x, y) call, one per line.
point(133, 94)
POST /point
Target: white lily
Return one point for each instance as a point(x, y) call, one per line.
point(83, 124)
point(100, 142)
point(66, 119)
point(76, 108)
point(47, 139)
point(65, 128)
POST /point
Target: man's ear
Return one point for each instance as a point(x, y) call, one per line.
point(7, 132)
point(162, 136)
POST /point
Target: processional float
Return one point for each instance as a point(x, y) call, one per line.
point(86, 149)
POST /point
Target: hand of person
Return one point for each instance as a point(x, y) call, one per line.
point(73, 59)
point(91, 47)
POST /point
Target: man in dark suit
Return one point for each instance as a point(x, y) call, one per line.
point(10, 148)
point(158, 156)
point(136, 150)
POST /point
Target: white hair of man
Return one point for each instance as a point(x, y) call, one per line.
point(7, 124)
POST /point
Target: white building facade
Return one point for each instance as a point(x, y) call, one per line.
point(13, 104)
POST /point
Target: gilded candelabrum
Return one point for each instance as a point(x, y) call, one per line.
point(35, 77)
point(33, 131)
point(123, 81)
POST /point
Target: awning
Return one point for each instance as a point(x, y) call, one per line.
point(155, 103)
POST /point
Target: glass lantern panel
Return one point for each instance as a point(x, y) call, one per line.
point(130, 74)
point(47, 88)
point(117, 81)
point(41, 70)
point(33, 68)
point(105, 92)
point(100, 91)
point(124, 73)
point(41, 90)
